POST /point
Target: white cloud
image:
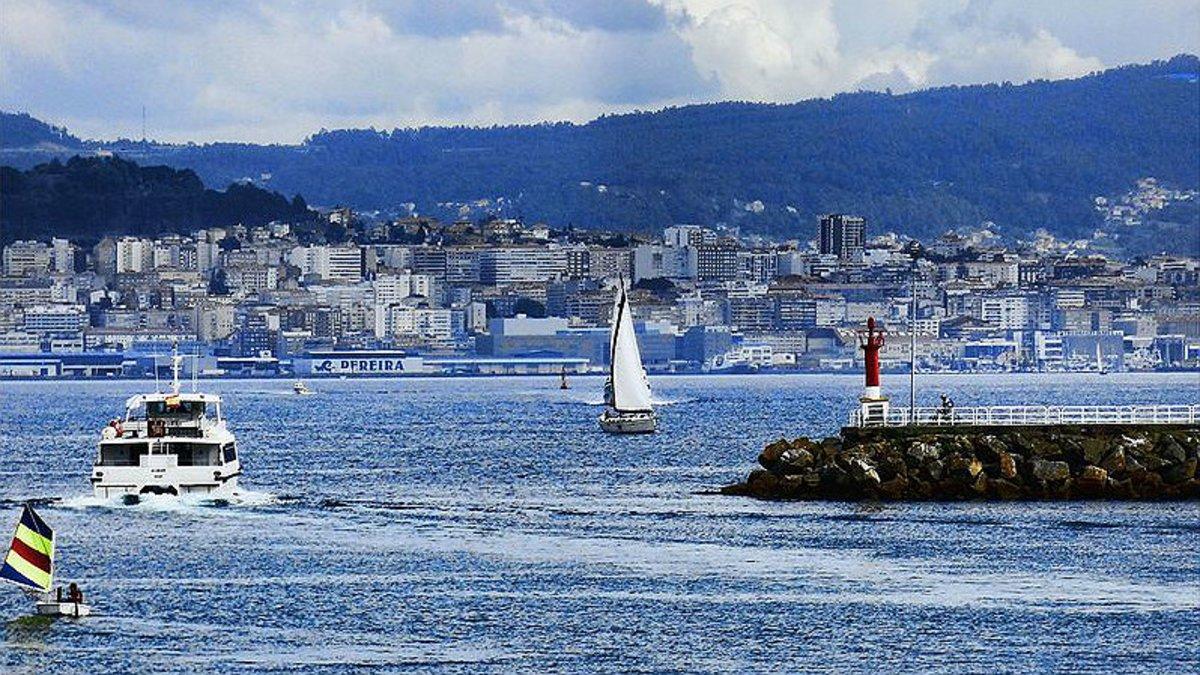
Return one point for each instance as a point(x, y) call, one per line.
point(244, 70)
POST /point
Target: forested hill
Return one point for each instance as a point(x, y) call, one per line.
point(1025, 156)
point(87, 198)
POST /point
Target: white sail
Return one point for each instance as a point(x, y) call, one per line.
point(630, 390)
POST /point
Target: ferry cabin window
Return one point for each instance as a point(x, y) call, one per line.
point(122, 454)
point(229, 452)
point(193, 454)
point(185, 410)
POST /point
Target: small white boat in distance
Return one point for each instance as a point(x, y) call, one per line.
point(171, 443)
point(302, 389)
point(30, 565)
point(627, 391)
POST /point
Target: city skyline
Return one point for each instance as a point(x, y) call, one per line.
point(413, 296)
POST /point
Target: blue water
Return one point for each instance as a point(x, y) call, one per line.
point(488, 525)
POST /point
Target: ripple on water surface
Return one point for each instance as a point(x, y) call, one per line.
point(487, 524)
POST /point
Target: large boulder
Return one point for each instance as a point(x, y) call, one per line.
point(1007, 466)
point(989, 448)
point(1049, 471)
point(890, 463)
point(794, 461)
point(1005, 489)
point(863, 472)
point(1091, 482)
point(895, 488)
point(762, 484)
point(1180, 473)
point(963, 467)
point(1170, 451)
point(769, 457)
point(1094, 450)
point(1114, 463)
point(922, 452)
point(933, 471)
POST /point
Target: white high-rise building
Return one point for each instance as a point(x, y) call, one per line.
point(134, 255)
point(392, 288)
point(688, 235)
point(426, 323)
point(653, 261)
point(329, 263)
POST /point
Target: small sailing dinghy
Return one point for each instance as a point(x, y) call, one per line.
point(30, 565)
point(627, 391)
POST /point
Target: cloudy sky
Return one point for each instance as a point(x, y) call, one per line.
point(276, 71)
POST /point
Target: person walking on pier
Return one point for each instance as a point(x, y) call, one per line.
point(946, 414)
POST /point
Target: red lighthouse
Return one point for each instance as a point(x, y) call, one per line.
point(871, 342)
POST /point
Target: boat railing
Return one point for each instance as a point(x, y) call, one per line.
point(1030, 415)
point(162, 426)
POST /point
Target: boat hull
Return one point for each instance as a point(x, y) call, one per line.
point(72, 609)
point(127, 482)
point(629, 423)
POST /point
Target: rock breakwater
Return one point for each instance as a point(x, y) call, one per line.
point(1119, 462)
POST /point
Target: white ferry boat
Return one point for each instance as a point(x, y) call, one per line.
point(172, 443)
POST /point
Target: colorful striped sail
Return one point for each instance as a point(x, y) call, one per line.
point(30, 559)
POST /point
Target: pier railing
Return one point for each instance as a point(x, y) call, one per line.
point(1032, 415)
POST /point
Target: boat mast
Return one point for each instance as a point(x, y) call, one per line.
point(176, 359)
point(612, 346)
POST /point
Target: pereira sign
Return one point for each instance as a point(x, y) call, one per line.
point(318, 364)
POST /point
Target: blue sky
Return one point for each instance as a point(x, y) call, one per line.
point(277, 71)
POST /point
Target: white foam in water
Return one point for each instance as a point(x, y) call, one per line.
point(167, 503)
point(654, 400)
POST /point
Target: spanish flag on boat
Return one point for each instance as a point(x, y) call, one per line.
point(30, 559)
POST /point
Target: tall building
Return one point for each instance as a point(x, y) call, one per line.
point(716, 262)
point(512, 265)
point(134, 255)
point(842, 235)
point(688, 235)
point(329, 263)
point(651, 261)
point(26, 258)
point(62, 256)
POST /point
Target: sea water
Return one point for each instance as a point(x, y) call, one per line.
point(488, 524)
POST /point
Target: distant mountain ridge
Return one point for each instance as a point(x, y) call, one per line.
point(1024, 156)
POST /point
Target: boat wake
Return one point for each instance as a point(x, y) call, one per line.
point(657, 402)
point(169, 503)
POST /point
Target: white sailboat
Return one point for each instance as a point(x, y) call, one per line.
point(627, 391)
point(30, 565)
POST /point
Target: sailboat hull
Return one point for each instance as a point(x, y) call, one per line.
point(629, 423)
point(52, 608)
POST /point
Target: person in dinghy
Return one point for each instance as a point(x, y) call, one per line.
point(29, 564)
